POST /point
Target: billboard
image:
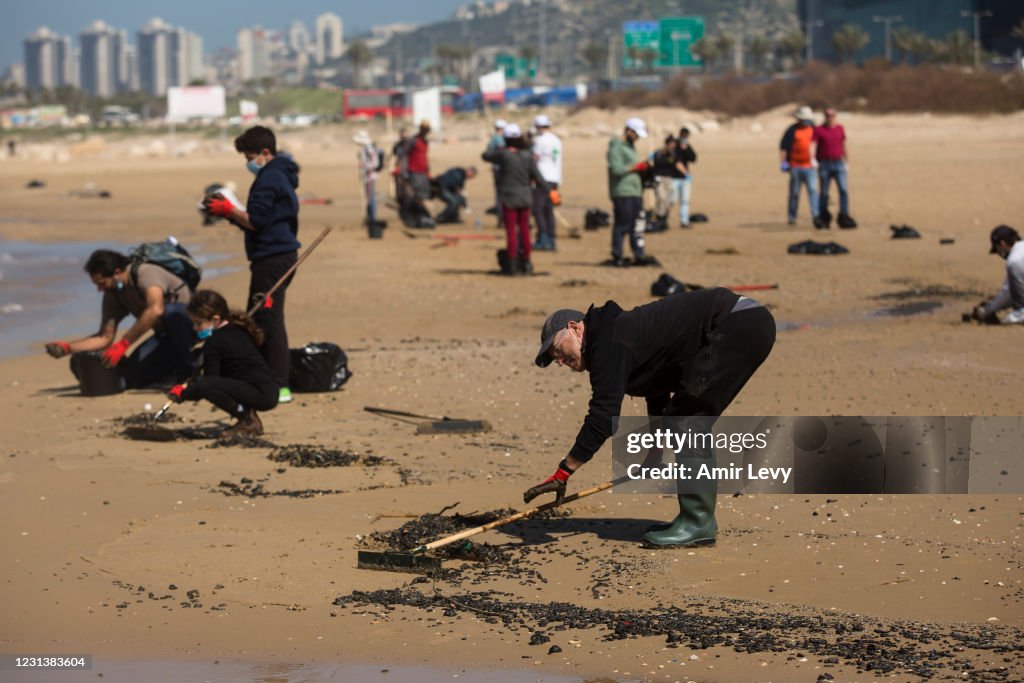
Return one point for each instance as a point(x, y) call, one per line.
point(640, 40)
point(195, 102)
point(664, 43)
point(426, 105)
point(492, 86)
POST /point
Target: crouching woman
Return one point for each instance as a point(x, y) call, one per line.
point(233, 375)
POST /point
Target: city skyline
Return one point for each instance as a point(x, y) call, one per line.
point(67, 18)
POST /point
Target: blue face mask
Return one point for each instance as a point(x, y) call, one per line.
point(253, 167)
point(205, 333)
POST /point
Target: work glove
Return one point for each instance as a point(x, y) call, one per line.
point(556, 198)
point(58, 349)
point(784, 167)
point(555, 483)
point(218, 206)
point(175, 393)
point(114, 353)
point(640, 167)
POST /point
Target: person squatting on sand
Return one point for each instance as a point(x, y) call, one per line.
point(688, 354)
point(516, 167)
point(451, 186)
point(156, 298)
point(233, 376)
point(271, 226)
point(1008, 244)
point(626, 190)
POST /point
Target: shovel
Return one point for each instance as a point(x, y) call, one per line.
point(434, 425)
point(416, 561)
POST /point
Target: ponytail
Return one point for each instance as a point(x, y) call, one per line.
point(248, 324)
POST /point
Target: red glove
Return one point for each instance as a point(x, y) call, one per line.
point(268, 302)
point(218, 206)
point(640, 167)
point(114, 353)
point(555, 483)
point(175, 393)
point(58, 349)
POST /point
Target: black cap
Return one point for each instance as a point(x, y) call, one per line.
point(1002, 233)
point(556, 322)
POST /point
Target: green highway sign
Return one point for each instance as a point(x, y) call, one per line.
point(515, 67)
point(676, 36)
point(639, 44)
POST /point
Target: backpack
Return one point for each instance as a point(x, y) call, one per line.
point(316, 367)
point(595, 218)
point(170, 256)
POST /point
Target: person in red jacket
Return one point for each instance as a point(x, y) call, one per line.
point(417, 166)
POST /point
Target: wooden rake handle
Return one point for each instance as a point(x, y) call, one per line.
point(466, 533)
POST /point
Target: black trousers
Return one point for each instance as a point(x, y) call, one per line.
point(233, 396)
point(544, 213)
point(263, 275)
point(626, 212)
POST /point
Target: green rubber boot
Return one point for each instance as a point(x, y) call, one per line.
point(694, 526)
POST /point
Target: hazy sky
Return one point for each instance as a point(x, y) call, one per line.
point(215, 21)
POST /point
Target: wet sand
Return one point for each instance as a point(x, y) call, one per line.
point(98, 528)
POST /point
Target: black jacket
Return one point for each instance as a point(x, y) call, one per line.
point(454, 179)
point(643, 352)
point(273, 210)
point(514, 171)
point(230, 352)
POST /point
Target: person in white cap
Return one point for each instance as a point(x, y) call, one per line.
point(516, 170)
point(496, 142)
point(371, 161)
point(547, 150)
point(796, 154)
point(626, 191)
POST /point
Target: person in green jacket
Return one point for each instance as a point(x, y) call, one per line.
point(627, 190)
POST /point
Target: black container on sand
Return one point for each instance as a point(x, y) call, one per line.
point(93, 378)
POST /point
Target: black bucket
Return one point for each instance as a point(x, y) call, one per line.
point(93, 378)
point(375, 230)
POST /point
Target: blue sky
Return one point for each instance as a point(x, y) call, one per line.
point(215, 21)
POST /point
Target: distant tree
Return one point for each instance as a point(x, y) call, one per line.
point(359, 56)
point(648, 56)
point(791, 45)
point(706, 51)
point(528, 52)
point(726, 44)
point(849, 40)
point(959, 48)
point(759, 47)
point(197, 81)
point(594, 54)
point(904, 39)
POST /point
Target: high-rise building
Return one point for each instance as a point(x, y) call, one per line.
point(254, 47)
point(167, 57)
point(48, 60)
point(101, 60)
point(130, 70)
point(330, 42)
point(298, 38)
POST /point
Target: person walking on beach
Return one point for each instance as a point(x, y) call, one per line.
point(626, 190)
point(234, 377)
point(516, 168)
point(156, 298)
point(796, 156)
point(270, 223)
point(547, 151)
point(688, 354)
point(830, 141)
point(497, 141)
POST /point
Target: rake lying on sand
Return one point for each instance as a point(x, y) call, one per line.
point(427, 424)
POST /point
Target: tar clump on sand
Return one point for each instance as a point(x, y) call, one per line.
point(925, 650)
point(255, 489)
point(299, 455)
point(431, 527)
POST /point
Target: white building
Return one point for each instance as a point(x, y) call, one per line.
point(168, 57)
point(48, 60)
point(330, 43)
point(101, 60)
point(254, 50)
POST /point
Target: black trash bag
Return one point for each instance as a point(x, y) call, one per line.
point(904, 232)
point(318, 366)
point(666, 285)
point(698, 218)
point(822, 248)
point(596, 218)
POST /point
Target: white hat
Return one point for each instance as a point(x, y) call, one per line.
point(804, 113)
point(637, 125)
point(362, 138)
point(512, 131)
point(500, 124)
point(542, 121)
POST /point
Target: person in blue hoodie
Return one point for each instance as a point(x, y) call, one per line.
point(271, 226)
